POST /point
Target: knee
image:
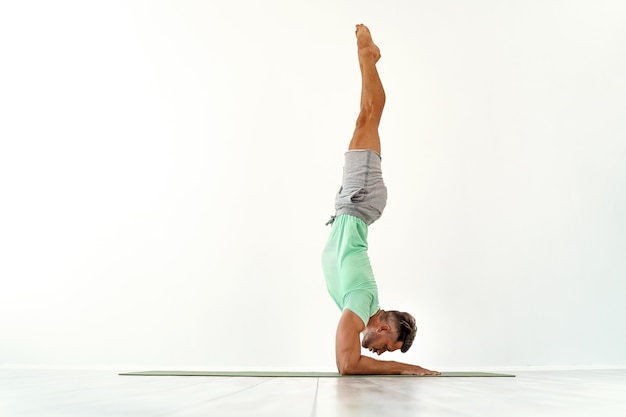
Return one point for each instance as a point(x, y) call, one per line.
point(368, 117)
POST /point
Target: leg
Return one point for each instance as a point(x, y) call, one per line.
point(372, 94)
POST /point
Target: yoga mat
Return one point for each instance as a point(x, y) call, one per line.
point(300, 374)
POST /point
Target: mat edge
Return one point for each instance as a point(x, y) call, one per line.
point(269, 374)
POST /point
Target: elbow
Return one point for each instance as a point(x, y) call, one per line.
point(343, 371)
point(346, 368)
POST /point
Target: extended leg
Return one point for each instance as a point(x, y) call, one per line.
point(372, 94)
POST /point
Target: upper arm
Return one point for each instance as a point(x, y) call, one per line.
point(348, 341)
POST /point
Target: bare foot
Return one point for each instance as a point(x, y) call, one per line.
point(368, 51)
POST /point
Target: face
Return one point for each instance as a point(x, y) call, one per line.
point(380, 342)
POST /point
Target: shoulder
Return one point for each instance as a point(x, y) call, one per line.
point(350, 322)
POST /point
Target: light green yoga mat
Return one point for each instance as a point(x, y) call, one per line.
point(299, 374)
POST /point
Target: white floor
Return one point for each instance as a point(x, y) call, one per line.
point(51, 393)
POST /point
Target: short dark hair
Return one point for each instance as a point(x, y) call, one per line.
point(404, 325)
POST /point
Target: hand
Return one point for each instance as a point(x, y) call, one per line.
point(418, 370)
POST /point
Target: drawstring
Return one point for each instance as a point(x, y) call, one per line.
point(332, 219)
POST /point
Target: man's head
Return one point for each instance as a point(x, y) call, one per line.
point(389, 331)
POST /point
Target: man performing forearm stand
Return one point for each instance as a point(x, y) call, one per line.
point(349, 277)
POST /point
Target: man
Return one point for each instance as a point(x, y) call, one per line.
point(349, 277)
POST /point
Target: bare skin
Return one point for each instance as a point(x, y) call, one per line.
point(378, 335)
point(372, 94)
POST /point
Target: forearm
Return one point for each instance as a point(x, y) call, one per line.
point(370, 366)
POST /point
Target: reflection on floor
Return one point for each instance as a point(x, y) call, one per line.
point(102, 393)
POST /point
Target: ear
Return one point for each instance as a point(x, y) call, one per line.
point(383, 328)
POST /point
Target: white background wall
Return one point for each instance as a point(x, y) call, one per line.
point(166, 169)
